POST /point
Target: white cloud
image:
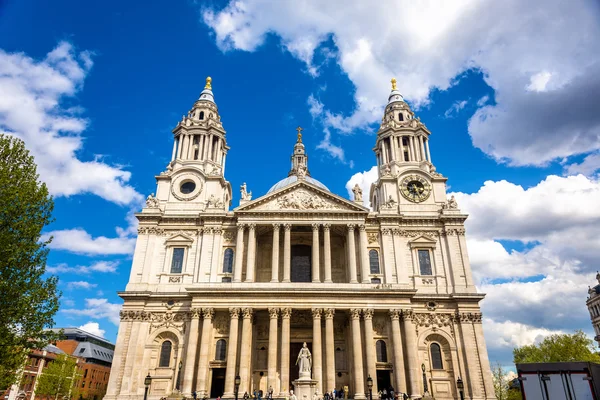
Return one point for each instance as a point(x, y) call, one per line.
point(588, 166)
point(79, 241)
point(93, 328)
point(32, 107)
point(81, 285)
point(364, 180)
point(545, 75)
point(483, 100)
point(455, 108)
point(99, 266)
point(507, 335)
point(97, 308)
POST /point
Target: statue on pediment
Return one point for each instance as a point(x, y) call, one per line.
point(245, 194)
point(151, 201)
point(357, 193)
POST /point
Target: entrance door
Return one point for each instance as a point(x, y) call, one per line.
point(301, 263)
point(217, 386)
point(294, 351)
point(383, 379)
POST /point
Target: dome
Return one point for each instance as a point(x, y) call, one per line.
point(292, 179)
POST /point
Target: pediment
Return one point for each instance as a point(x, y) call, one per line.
point(179, 239)
point(301, 196)
point(422, 241)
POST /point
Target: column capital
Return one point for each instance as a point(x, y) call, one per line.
point(329, 313)
point(195, 313)
point(241, 226)
point(315, 227)
point(386, 232)
point(351, 227)
point(252, 226)
point(286, 313)
point(408, 315)
point(276, 227)
point(273, 313)
point(248, 313)
point(394, 315)
point(208, 313)
point(355, 313)
point(287, 227)
point(326, 227)
point(368, 313)
point(362, 227)
point(234, 312)
point(316, 313)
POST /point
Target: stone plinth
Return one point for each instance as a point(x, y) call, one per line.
point(304, 389)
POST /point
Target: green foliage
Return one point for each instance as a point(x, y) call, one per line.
point(59, 379)
point(502, 389)
point(558, 348)
point(29, 301)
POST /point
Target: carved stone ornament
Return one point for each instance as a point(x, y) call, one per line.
point(368, 313)
point(216, 171)
point(286, 312)
point(234, 312)
point(453, 232)
point(248, 312)
point(208, 313)
point(329, 313)
point(175, 279)
point(151, 201)
point(273, 313)
point(394, 314)
point(412, 234)
point(181, 179)
point(214, 202)
point(134, 315)
point(228, 236)
point(301, 318)
point(355, 313)
point(300, 199)
point(474, 318)
point(316, 313)
point(431, 305)
point(167, 320)
point(263, 331)
point(379, 326)
point(427, 281)
point(150, 230)
point(434, 321)
point(390, 203)
point(373, 237)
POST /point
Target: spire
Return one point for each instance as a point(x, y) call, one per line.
point(299, 158)
point(207, 93)
point(208, 81)
point(299, 129)
point(395, 94)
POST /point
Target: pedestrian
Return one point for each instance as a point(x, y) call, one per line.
point(246, 396)
point(194, 395)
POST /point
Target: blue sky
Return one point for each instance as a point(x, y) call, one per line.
point(509, 93)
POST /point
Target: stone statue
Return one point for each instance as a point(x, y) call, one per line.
point(387, 171)
point(357, 193)
point(304, 362)
point(292, 395)
point(151, 201)
point(245, 194)
point(301, 172)
point(452, 204)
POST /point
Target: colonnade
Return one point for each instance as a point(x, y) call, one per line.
point(186, 145)
point(352, 263)
point(323, 365)
point(393, 148)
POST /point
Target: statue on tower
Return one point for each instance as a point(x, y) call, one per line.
point(245, 194)
point(304, 362)
point(357, 193)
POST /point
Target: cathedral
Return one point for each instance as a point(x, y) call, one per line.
point(221, 299)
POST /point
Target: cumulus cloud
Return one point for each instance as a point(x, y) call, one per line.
point(545, 75)
point(32, 107)
point(93, 328)
point(79, 241)
point(99, 266)
point(455, 108)
point(588, 166)
point(97, 308)
point(364, 180)
point(81, 285)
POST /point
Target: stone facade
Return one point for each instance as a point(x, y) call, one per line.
point(593, 304)
point(383, 293)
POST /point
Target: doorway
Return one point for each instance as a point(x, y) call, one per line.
point(294, 351)
point(301, 263)
point(383, 379)
point(218, 383)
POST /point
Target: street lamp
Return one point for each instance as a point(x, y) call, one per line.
point(147, 382)
point(237, 386)
point(460, 385)
point(370, 386)
point(425, 388)
point(178, 383)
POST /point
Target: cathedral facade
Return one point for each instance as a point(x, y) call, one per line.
point(382, 294)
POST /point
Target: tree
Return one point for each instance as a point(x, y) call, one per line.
point(59, 379)
point(502, 379)
point(558, 348)
point(29, 300)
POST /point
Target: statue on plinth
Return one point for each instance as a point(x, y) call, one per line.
point(304, 362)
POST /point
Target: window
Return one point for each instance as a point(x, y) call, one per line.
point(425, 262)
point(221, 350)
point(381, 350)
point(228, 261)
point(201, 114)
point(400, 117)
point(436, 356)
point(374, 261)
point(165, 354)
point(85, 373)
point(177, 262)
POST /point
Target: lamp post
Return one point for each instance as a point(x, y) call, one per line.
point(147, 382)
point(370, 386)
point(237, 385)
point(425, 388)
point(177, 384)
point(460, 385)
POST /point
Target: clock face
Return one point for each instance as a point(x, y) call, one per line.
point(415, 188)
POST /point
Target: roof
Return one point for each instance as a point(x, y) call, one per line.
point(53, 349)
point(79, 334)
point(92, 350)
point(292, 179)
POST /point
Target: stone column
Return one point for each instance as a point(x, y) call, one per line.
point(359, 379)
point(351, 254)
point(272, 355)
point(246, 350)
point(427, 148)
point(275, 254)
point(190, 154)
point(364, 254)
point(422, 148)
point(239, 254)
point(210, 147)
point(329, 350)
point(174, 149)
point(401, 148)
point(399, 371)
point(190, 354)
point(411, 141)
point(411, 353)
point(232, 346)
point(205, 346)
point(251, 253)
point(179, 146)
point(370, 348)
point(287, 256)
point(317, 365)
point(486, 371)
point(315, 254)
point(286, 313)
point(473, 381)
point(327, 255)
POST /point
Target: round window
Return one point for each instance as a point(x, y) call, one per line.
point(187, 187)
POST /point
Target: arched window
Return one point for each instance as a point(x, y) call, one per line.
point(436, 356)
point(201, 115)
point(374, 261)
point(165, 354)
point(228, 261)
point(400, 117)
point(381, 350)
point(221, 350)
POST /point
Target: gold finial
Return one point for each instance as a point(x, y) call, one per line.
point(299, 129)
point(394, 84)
point(208, 81)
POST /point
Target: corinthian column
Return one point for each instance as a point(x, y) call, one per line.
point(399, 371)
point(205, 345)
point(327, 255)
point(364, 255)
point(359, 379)
point(239, 254)
point(370, 347)
point(190, 354)
point(246, 350)
point(251, 253)
point(411, 352)
point(272, 356)
point(317, 349)
point(286, 313)
point(232, 346)
point(275, 255)
point(329, 350)
point(286, 252)
point(315, 253)
point(351, 254)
